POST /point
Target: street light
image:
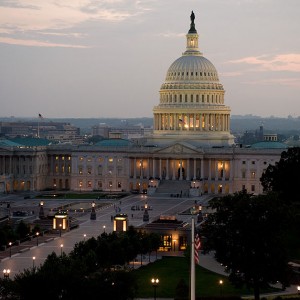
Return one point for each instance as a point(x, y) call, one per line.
point(155, 282)
point(221, 285)
point(84, 236)
point(61, 249)
point(10, 244)
point(37, 238)
point(33, 260)
point(60, 230)
point(6, 273)
point(298, 289)
point(104, 228)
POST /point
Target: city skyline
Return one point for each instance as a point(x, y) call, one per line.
point(108, 59)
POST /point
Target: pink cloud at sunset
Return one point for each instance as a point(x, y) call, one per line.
point(281, 62)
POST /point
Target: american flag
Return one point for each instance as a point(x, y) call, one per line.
point(41, 117)
point(197, 246)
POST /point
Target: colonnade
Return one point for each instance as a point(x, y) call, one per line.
point(192, 122)
point(180, 168)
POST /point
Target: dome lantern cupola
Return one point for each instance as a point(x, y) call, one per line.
point(192, 39)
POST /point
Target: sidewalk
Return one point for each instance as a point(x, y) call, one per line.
point(26, 245)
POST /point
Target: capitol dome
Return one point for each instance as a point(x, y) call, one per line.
point(191, 106)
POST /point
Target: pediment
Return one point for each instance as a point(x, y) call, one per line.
point(180, 148)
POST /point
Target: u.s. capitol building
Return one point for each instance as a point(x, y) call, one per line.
point(191, 148)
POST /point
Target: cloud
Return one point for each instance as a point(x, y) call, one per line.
point(30, 17)
point(171, 34)
point(290, 82)
point(280, 62)
point(34, 43)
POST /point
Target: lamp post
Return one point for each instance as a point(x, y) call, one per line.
point(6, 273)
point(61, 249)
point(37, 238)
point(10, 244)
point(60, 230)
point(155, 282)
point(104, 228)
point(33, 260)
point(84, 236)
point(298, 289)
point(221, 286)
point(41, 212)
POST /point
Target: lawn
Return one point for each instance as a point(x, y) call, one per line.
point(170, 270)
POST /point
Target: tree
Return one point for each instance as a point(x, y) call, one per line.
point(284, 176)
point(247, 233)
point(22, 230)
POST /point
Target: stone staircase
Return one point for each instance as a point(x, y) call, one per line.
point(173, 188)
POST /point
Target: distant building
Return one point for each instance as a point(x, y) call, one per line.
point(126, 131)
point(54, 131)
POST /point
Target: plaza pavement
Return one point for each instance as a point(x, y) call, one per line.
point(92, 228)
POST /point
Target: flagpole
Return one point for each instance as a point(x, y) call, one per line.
point(38, 133)
point(193, 260)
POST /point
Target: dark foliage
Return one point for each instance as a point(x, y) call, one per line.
point(247, 232)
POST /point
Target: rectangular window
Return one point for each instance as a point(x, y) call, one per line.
point(253, 162)
point(89, 170)
point(80, 170)
point(253, 175)
point(56, 168)
point(243, 174)
point(110, 159)
point(252, 188)
point(119, 185)
point(89, 184)
point(243, 162)
point(99, 185)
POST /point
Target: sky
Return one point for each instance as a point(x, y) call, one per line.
point(108, 58)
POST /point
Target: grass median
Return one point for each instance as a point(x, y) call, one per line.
point(170, 270)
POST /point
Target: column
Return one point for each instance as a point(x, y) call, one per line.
point(160, 175)
point(209, 169)
point(134, 168)
point(195, 169)
point(148, 169)
point(188, 169)
point(141, 169)
point(167, 169)
point(174, 177)
point(180, 171)
point(202, 169)
point(153, 168)
point(194, 122)
point(216, 170)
